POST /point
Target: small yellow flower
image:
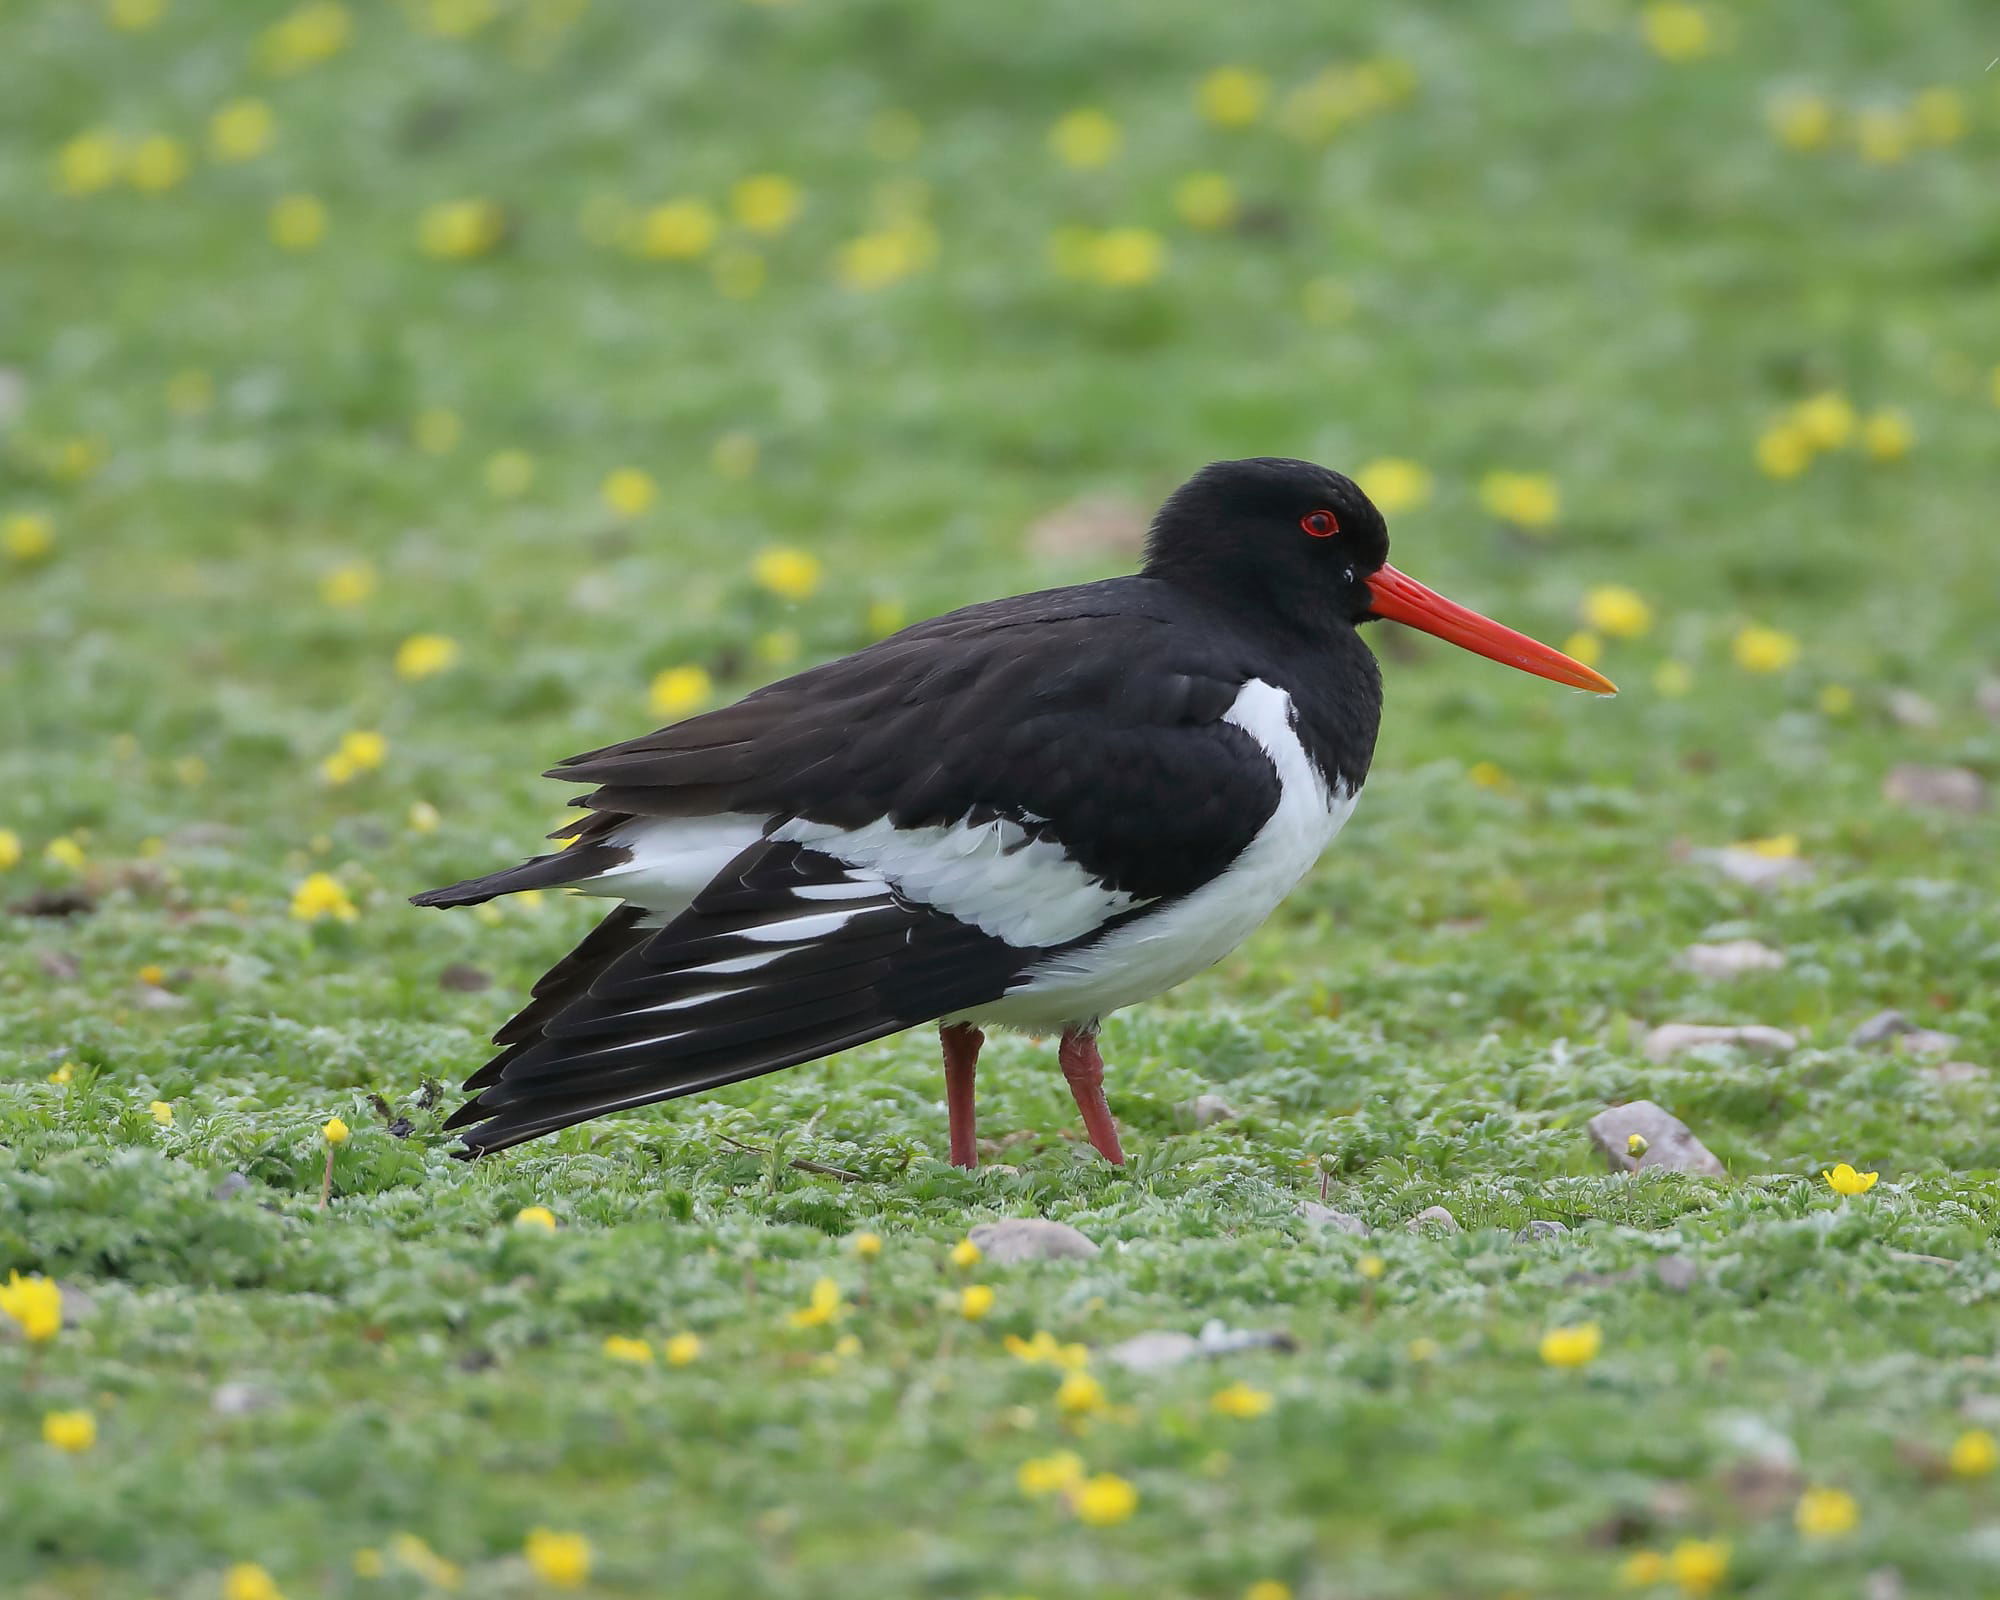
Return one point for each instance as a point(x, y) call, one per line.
point(248, 1581)
point(636, 1351)
point(423, 817)
point(1528, 500)
point(866, 1245)
point(73, 460)
point(34, 1304)
point(1882, 134)
point(459, 230)
point(161, 1112)
point(1698, 1565)
point(298, 222)
point(966, 1254)
point(1371, 1267)
point(159, 163)
point(1041, 1476)
point(1104, 1500)
point(312, 33)
point(135, 16)
point(65, 852)
point(679, 690)
point(629, 491)
point(1126, 258)
point(975, 1300)
point(424, 655)
point(241, 130)
point(90, 162)
point(1938, 116)
point(348, 586)
point(1760, 649)
point(1423, 1350)
point(1621, 612)
point(368, 1563)
point(1842, 1179)
point(821, 1307)
point(1827, 419)
point(1241, 1401)
point(10, 849)
point(64, 1073)
point(536, 1217)
point(1079, 1395)
point(1206, 200)
point(1836, 700)
point(1233, 97)
point(559, 1559)
point(877, 260)
point(1886, 435)
point(680, 230)
point(1268, 1589)
point(1585, 647)
point(1776, 847)
point(1801, 121)
point(1675, 31)
point(360, 751)
point(1575, 1346)
point(73, 1431)
point(336, 1131)
point(27, 535)
point(766, 203)
point(1085, 138)
point(1784, 450)
point(1826, 1513)
point(1394, 484)
point(1974, 1453)
point(321, 895)
point(1636, 1145)
point(508, 474)
point(437, 431)
point(1642, 1569)
point(789, 573)
point(682, 1349)
point(1673, 680)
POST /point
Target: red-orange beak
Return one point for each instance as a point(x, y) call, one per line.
point(1403, 599)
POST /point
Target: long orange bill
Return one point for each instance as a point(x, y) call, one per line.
point(1403, 599)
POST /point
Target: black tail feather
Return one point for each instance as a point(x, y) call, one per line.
point(539, 872)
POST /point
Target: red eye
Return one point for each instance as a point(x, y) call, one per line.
point(1320, 524)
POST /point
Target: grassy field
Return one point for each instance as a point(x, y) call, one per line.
point(396, 399)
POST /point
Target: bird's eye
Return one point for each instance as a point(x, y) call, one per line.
point(1320, 524)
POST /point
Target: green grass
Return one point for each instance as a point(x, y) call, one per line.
point(1563, 254)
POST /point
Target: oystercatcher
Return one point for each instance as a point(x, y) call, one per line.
point(1027, 813)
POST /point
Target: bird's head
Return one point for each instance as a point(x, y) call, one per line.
point(1303, 543)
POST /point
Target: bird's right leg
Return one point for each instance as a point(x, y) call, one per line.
point(961, 1041)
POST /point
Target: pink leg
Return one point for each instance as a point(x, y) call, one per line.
point(961, 1041)
point(1084, 1068)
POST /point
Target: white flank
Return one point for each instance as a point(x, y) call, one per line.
point(1153, 953)
point(673, 860)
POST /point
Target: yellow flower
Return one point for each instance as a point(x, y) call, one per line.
point(1079, 1395)
point(34, 1304)
point(1125, 258)
point(1974, 1453)
point(152, 973)
point(1584, 647)
point(536, 1217)
point(1085, 138)
point(509, 474)
point(789, 573)
point(73, 460)
point(1233, 97)
point(1836, 700)
point(1784, 450)
point(1394, 484)
point(1777, 847)
point(1614, 609)
point(1827, 419)
point(966, 1254)
point(680, 230)
point(1760, 649)
point(368, 1563)
point(560, 1559)
point(637, 1351)
point(135, 16)
point(1676, 31)
point(866, 1245)
point(1842, 1179)
point(1488, 775)
point(305, 37)
point(877, 260)
point(248, 1581)
point(1103, 1500)
point(1422, 1350)
point(63, 851)
point(360, 751)
point(298, 222)
point(738, 274)
point(423, 817)
point(241, 130)
point(74, 1431)
point(1672, 680)
point(90, 162)
point(1268, 1589)
point(821, 1307)
point(1040, 1476)
point(734, 455)
point(682, 1349)
point(159, 162)
point(336, 1131)
point(765, 203)
point(1642, 1569)
point(27, 535)
point(1206, 200)
point(424, 655)
point(1826, 1513)
point(629, 491)
point(162, 1113)
point(1801, 121)
point(1938, 115)
point(321, 895)
point(1371, 1267)
point(974, 1301)
point(1887, 435)
point(1698, 1565)
point(10, 849)
point(1636, 1145)
point(458, 230)
point(348, 586)
point(679, 690)
point(63, 1073)
point(1882, 135)
point(458, 19)
point(1575, 1346)
point(1241, 1401)
point(1529, 500)
point(1046, 1350)
point(437, 431)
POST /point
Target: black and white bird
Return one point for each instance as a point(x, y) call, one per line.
point(1028, 813)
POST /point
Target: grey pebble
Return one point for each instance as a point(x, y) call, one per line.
point(1013, 1239)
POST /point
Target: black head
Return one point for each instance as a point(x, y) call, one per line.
point(1288, 539)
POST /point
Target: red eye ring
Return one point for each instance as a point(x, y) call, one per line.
point(1320, 524)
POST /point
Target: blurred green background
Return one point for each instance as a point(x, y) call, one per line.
point(397, 398)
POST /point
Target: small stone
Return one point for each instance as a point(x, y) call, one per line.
point(1677, 1038)
point(1538, 1230)
point(1327, 1217)
point(58, 965)
point(232, 1185)
point(1911, 710)
point(1731, 959)
point(1433, 1217)
point(1154, 1352)
point(1675, 1274)
point(1918, 788)
point(464, 978)
point(1950, 1074)
point(1219, 1339)
point(150, 997)
point(241, 1399)
point(1884, 1583)
point(1670, 1145)
point(1205, 1110)
point(1096, 525)
point(1015, 1239)
point(1883, 1025)
point(1753, 869)
point(1927, 1042)
point(1987, 698)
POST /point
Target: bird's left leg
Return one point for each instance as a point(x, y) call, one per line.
point(961, 1041)
point(1084, 1068)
